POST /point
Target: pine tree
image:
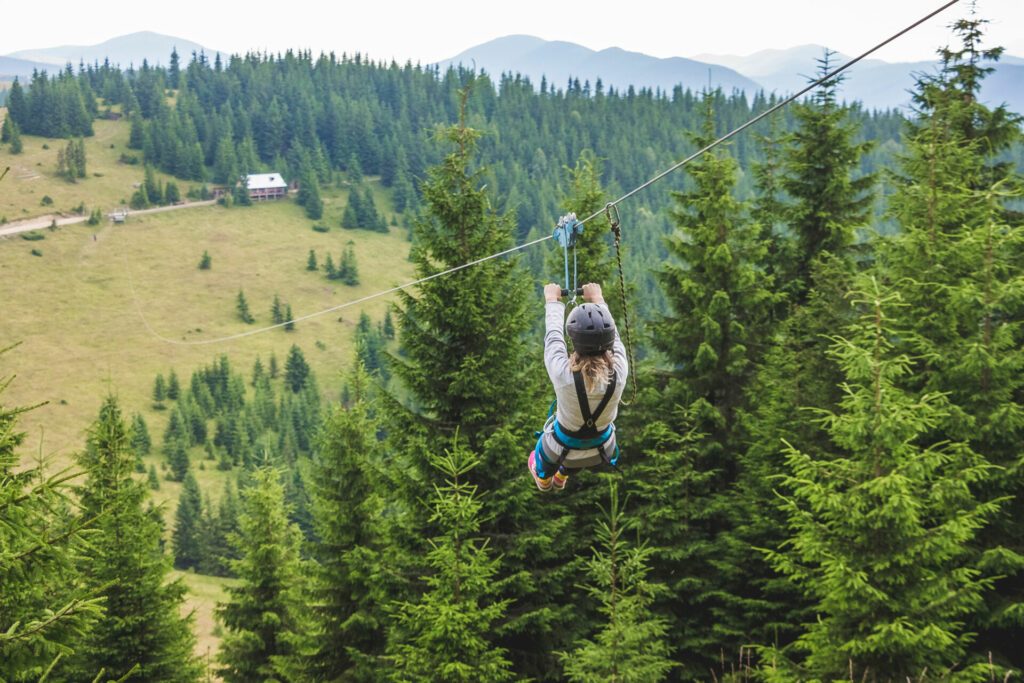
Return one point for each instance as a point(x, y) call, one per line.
point(289, 319)
point(631, 645)
point(348, 271)
point(447, 634)
point(720, 299)
point(16, 144)
point(153, 479)
point(483, 315)
point(242, 308)
point(172, 195)
point(205, 261)
point(174, 70)
point(312, 200)
point(186, 537)
point(880, 525)
point(44, 602)
point(347, 592)
point(296, 370)
point(957, 259)
point(177, 458)
point(141, 443)
point(350, 217)
point(277, 311)
point(311, 261)
point(820, 160)
point(141, 628)
point(159, 389)
point(5, 129)
point(140, 198)
point(262, 609)
point(272, 368)
point(154, 190)
point(173, 386)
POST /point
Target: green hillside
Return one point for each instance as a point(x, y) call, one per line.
point(88, 312)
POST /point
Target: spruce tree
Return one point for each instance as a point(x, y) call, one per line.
point(172, 195)
point(262, 609)
point(242, 308)
point(880, 526)
point(311, 261)
point(177, 458)
point(632, 642)
point(461, 385)
point(186, 537)
point(348, 589)
point(957, 259)
point(820, 161)
point(173, 386)
point(352, 216)
point(141, 627)
point(44, 602)
point(153, 479)
point(205, 261)
point(159, 389)
point(720, 300)
point(296, 370)
point(448, 633)
point(277, 311)
point(289, 318)
point(348, 270)
point(141, 443)
point(16, 144)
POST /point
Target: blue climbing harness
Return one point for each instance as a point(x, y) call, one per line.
point(588, 436)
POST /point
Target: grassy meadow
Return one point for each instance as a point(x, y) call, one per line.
point(104, 309)
point(33, 175)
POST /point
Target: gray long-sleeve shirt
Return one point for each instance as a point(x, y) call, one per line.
point(568, 414)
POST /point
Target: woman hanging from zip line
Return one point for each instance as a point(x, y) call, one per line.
point(579, 432)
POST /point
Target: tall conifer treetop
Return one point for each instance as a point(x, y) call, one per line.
point(881, 526)
point(464, 334)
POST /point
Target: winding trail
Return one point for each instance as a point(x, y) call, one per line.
point(40, 222)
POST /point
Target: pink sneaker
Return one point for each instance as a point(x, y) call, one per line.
point(558, 481)
point(544, 484)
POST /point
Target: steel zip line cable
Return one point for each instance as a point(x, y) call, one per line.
point(354, 302)
point(770, 111)
point(607, 207)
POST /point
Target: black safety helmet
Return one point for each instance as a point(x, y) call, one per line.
point(591, 328)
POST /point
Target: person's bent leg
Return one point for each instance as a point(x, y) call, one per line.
point(540, 467)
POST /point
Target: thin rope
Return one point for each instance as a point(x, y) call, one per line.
point(613, 219)
point(772, 110)
point(308, 316)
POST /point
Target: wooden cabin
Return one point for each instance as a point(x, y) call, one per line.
point(266, 186)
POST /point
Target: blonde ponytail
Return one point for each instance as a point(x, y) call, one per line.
point(596, 370)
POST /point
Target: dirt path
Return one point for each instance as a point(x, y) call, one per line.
point(40, 222)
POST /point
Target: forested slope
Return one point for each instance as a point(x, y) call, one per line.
point(821, 473)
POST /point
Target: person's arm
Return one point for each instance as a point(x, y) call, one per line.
point(556, 355)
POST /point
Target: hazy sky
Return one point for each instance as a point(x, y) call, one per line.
point(431, 30)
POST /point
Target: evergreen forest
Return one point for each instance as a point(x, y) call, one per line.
point(822, 475)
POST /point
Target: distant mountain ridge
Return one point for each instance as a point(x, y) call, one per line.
point(557, 61)
point(874, 83)
point(125, 50)
point(11, 68)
